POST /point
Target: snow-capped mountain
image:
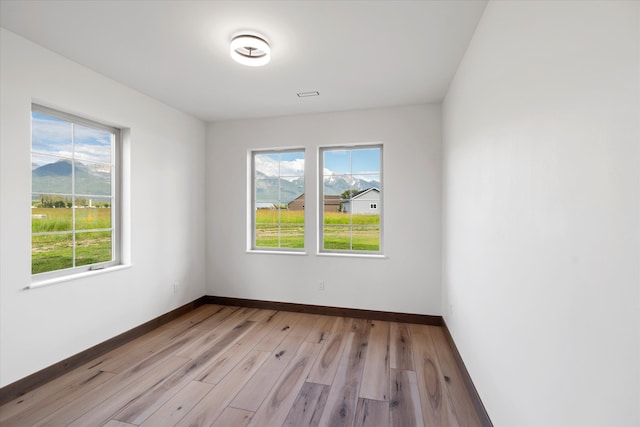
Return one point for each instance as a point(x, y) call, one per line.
point(267, 190)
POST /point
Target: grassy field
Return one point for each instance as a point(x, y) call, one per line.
point(341, 231)
point(51, 252)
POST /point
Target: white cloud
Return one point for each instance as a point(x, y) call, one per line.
point(288, 169)
point(53, 137)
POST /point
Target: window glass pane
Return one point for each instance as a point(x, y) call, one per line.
point(91, 144)
point(72, 181)
point(51, 174)
point(267, 215)
point(291, 217)
point(365, 161)
point(51, 135)
point(364, 203)
point(292, 236)
point(297, 205)
point(266, 164)
point(292, 164)
point(365, 181)
point(51, 252)
point(365, 218)
point(336, 217)
point(91, 218)
point(279, 199)
point(266, 235)
point(92, 179)
point(51, 213)
point(291, 189)
point(331, 203)
point(93, 247)
point(337, 162)
point(354, 176)
point(267, 191)
point(366, 237)
point(335, 185)
point(337, 237)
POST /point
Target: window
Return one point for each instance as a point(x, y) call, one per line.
point(351, 199)
point(74, 197)
point(278, 200)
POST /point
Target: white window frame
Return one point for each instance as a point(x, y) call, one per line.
point(320, 174)
point(251, 226)
point(55, 276)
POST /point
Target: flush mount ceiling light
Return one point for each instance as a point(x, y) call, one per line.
point(250, 50)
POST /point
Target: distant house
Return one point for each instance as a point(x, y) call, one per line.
point(363, 202)
point(331, 203)
point(297, 204)
point(261, 205)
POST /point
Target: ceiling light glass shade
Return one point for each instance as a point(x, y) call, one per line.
point(250, 50)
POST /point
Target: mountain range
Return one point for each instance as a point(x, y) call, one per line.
point(56, 178)
point(267, 187)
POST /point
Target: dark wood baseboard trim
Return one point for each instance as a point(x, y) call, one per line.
point(26, 384)
point(485, 421)
point(422, 319)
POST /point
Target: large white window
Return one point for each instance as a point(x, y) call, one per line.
point(74, 194)
point(277, 214)
point(351, 199)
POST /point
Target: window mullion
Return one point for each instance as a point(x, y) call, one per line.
point(73, 194)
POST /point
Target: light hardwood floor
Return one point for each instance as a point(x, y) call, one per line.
point(231, 367)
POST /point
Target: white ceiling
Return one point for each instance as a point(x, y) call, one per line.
point(357, 54)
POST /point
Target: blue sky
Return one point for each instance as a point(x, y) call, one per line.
point(51, 136)
point(364, 162)
point(352, 162)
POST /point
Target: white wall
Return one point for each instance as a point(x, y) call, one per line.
point(42, 326)
point(542, 212)
point(408, 281)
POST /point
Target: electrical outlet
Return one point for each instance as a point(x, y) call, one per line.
point(321, 285)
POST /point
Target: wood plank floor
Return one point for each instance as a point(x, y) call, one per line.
point(232, 366)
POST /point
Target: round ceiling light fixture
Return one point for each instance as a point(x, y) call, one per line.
point(250, 50)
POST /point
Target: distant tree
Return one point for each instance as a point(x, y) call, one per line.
point(346, 194)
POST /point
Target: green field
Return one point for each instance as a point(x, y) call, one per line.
point(341, 230)
point(51, 252)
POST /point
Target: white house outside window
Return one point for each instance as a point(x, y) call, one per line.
point(351, 199)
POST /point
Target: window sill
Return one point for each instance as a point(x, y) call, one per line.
point(83, 275)
point(258, 251)
point(352, 255)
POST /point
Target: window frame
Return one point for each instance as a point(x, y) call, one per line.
point(320, 215)
point(251, 241)
point(115, 202)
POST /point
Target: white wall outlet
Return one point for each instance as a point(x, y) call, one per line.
point(321, 285)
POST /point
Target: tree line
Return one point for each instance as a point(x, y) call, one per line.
point(50, 201)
